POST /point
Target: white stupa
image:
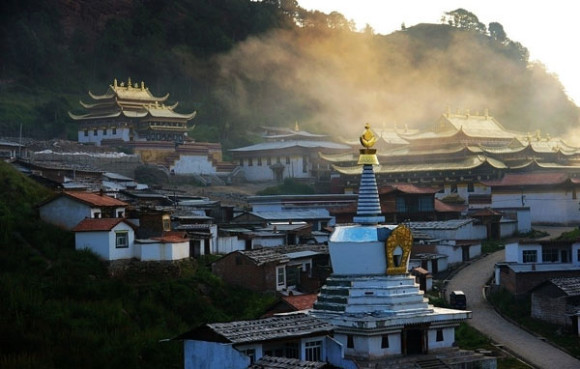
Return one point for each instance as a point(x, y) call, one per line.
point(377, 309)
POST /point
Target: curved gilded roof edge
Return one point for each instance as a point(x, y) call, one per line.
point(337, 158)
point(108, 95)
point(470, 162)
point(90, 116)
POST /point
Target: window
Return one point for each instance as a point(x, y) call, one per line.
point(313, 350)
point(549, 255)
point(259, 161)
point(530, 256)
point(86, 132)
point(349, 341)
point(385, 341)
point(114, 130)
point(166, 224)
point(97, 214)
point(104, 131)
point(120, 214)
point(293, 350)
point(578, 255)
point(287, 160)
point(439, 335)
point(305, 164)
point(250, 163)
point(251, 353)
point(470, 187)
point(281, 276)
point(453, 188)
point(95, 132)
point(122, 239)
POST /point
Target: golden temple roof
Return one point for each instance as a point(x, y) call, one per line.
point(131, 101)
point(469, 162)
point(129, 91)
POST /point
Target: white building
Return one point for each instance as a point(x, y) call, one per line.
point(286, 154)
point(114, 239)
point(550, 196)
point(238, 344)
point(67, 209)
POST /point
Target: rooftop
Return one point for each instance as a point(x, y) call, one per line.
point(99, 224)
point(289, 326)
point(95, 199)
point(270, 362)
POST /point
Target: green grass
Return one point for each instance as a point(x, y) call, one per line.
point(61, 308)
point(519, 310)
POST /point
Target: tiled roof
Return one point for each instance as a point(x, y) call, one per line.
point(301, 302)
point(95, 199)
point(99, 224)
point(270, 362)
point(276, 327)
point(440, 225)
point(442, 207)
point(408, 188)
point(265, 255)
point(570, 286)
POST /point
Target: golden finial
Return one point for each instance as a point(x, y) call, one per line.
point(296, 127)
point(115, 82)
point(368, 155)
point(368, 138)
point(129, 82)
point(142, 85)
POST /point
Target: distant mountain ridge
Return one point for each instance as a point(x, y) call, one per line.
point(244, 64)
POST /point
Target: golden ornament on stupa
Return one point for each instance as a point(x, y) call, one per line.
point(368, 154)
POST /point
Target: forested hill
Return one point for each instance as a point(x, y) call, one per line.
point(243, 64)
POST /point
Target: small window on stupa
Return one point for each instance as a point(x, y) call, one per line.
point(397, 256)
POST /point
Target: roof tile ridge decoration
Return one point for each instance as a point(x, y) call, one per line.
point(368, 207)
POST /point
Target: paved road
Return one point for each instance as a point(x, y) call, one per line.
point(471, 280)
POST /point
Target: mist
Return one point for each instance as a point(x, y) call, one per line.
point(334, 81)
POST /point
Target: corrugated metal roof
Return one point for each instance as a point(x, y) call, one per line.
point(301, 254)
point(276, 327)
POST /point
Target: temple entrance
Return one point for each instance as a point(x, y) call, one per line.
point(414, 340)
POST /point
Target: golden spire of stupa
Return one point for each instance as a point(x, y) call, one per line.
point(368, 154)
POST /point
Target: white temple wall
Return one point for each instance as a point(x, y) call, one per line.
point(160, 251)
point(193, 164)
point(448, 338)
point(353, 258)
point(268, 241)
point(553, 207)
point(90, 136)
point(261, 173)
point(225, 245)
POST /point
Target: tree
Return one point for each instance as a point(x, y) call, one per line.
point(497, 32)
point(464, 19)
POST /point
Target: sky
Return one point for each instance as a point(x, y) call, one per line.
point(549, 30)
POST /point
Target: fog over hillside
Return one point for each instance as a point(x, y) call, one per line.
point(336, 81)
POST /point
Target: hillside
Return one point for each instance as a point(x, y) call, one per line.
point(61, 309)
point(243, 64)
